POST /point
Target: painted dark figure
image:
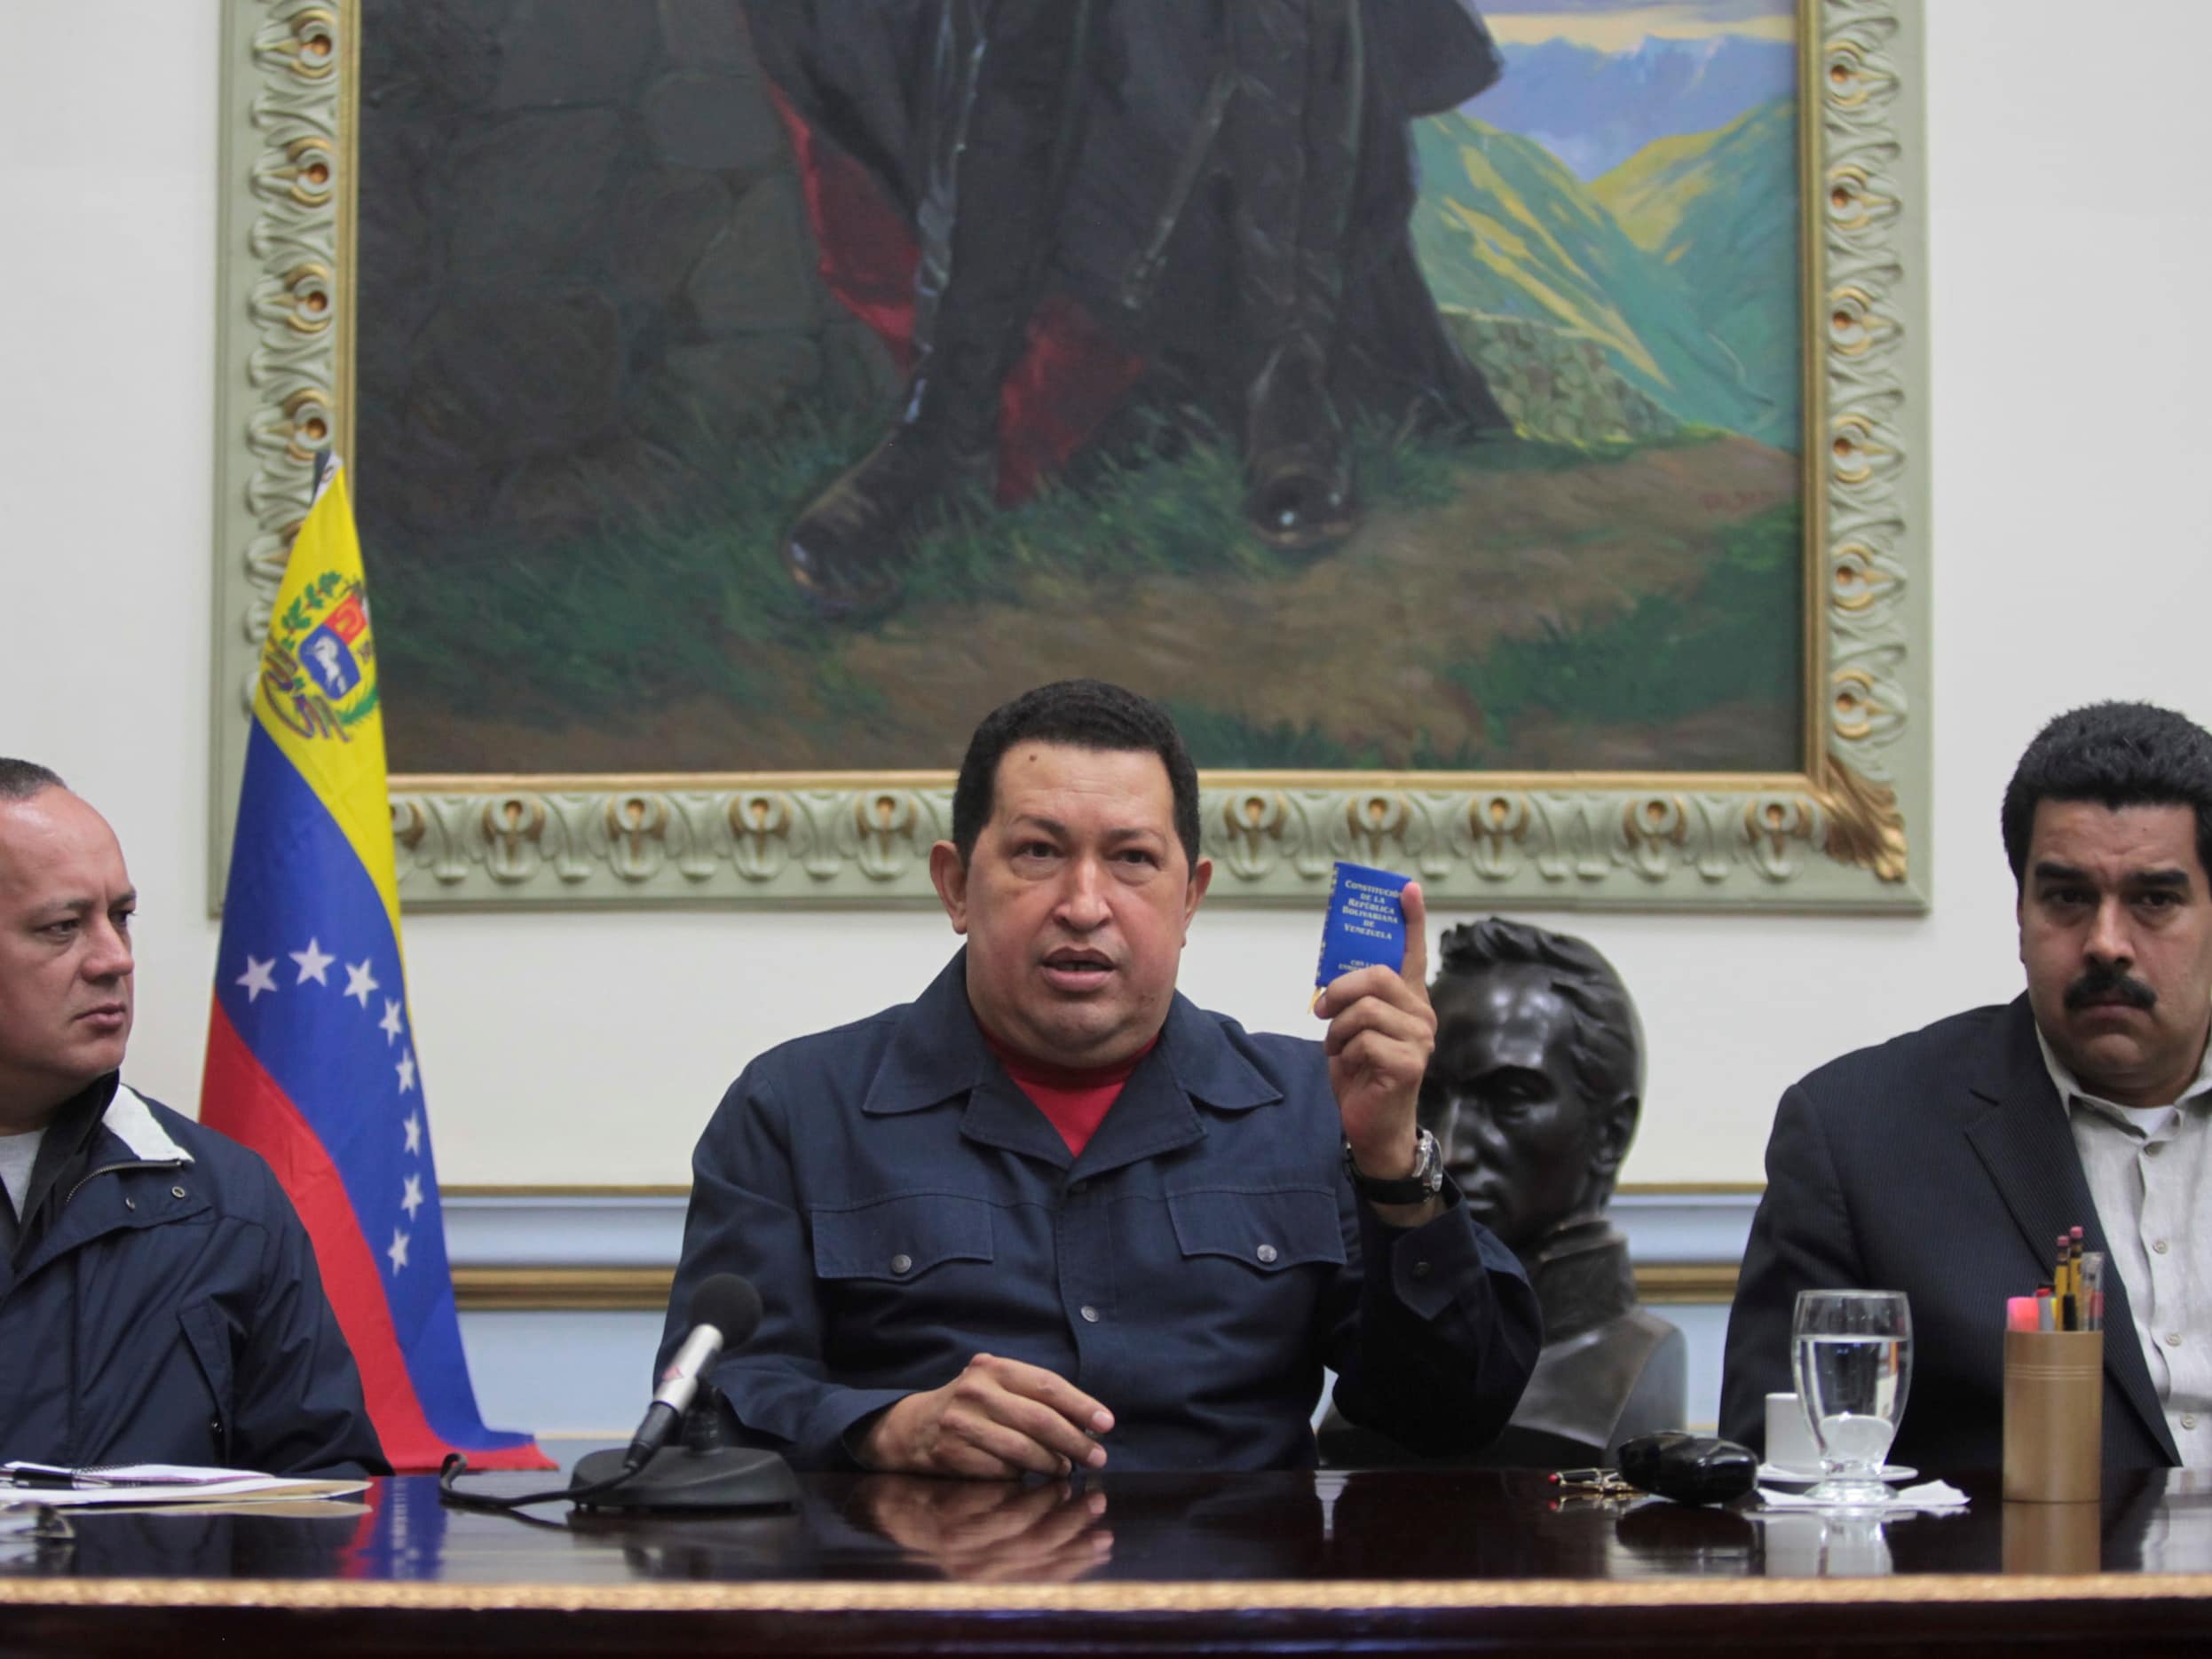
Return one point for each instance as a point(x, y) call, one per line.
point(1535, 1090)
point(1061, 212)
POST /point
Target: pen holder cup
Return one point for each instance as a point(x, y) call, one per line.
point(2053, 1537)
point(2054, 1411)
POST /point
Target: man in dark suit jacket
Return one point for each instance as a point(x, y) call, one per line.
point(1946, 1163)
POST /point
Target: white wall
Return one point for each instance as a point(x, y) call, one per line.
point(2070, 561)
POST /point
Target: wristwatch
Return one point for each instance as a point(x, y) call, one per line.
point(1423, 1184)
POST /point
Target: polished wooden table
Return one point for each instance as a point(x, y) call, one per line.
point(1384, 1562)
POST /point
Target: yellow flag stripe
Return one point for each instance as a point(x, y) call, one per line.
point(343, 764)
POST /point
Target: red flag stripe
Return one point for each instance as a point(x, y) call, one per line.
point(257, 1112)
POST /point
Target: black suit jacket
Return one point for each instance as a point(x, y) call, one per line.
point(1940, 1164)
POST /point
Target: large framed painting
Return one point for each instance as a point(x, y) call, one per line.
point(1496, 432)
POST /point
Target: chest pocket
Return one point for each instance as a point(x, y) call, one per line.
point(1268, 1232)
point(897, 1240)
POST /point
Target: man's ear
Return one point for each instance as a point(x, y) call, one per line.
point(1612, 1127)
point(1194, 895)
point(948, 873)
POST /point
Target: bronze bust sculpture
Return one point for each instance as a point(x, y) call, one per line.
point(1534, 1092)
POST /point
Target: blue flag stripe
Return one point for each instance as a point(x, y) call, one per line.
point(301, 923)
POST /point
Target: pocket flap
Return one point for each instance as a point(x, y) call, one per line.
point(1287, 1226)
point(898, 1239)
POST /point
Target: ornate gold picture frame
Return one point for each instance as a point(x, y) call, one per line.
point(1849, 831)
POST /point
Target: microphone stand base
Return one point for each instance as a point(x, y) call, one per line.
point(677, 1477)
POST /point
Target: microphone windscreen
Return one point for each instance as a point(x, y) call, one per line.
point(731, 1305)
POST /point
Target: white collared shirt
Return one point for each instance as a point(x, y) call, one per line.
point(2150, 1174)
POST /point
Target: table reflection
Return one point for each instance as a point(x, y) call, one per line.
point(1338, 1526)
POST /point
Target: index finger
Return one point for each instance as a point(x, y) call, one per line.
point(1415, 971)
point(1050, 1388)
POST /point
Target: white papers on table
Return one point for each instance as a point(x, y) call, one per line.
point(144, 1483)
point(1929, 1495)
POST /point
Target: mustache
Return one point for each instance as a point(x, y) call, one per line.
point(2109, 985)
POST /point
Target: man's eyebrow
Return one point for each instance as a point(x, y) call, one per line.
point(2163, 879)
point(2051, 869)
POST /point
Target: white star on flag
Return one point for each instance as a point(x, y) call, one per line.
point(256, 978)
point(313, 963)
point(399, 1251)
point(405, 1069)
point(415, 1131)
point(389, 1024)
point(357, 984)
point(411, 1200)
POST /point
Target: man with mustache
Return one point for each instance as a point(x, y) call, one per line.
point(1945, 1164)
point(159, 1302)
point(1051, 1214)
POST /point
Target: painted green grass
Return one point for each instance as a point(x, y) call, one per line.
point(1737, 638)
point(674, 610)
point(660, 611)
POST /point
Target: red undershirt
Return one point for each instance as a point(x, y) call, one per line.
point(1075, 1101)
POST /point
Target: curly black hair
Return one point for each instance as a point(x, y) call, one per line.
point(2120, 754)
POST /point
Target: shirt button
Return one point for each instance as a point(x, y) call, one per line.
point(176, 1192)
point(2173, 1338)
point(2154, 1148)
point(902, 1264)
point(1266, 1253)
point(2189, 1420)
point(2160, 1247)
point(1420, 1269)
point(1090, 1314)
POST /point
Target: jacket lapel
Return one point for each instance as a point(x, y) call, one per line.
point(2022, 1136)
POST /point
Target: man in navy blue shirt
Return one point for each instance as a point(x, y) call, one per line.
point(1051, 1214)
point(159, 1301)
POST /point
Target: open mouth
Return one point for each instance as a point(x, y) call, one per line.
point(1075, 969)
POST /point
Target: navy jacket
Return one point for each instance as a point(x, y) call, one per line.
point(901, 1207)
point(161, 1305)
point(1940, 1164)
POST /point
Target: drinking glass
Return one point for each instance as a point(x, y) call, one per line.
point(1852, 1355)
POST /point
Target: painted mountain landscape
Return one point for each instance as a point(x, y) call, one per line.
point(1646, 199)
point(590, 407)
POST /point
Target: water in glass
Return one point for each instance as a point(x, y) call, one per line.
point(1853, 1360)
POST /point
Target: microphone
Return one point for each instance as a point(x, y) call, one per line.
point(725, 1311)
point(699, 1473)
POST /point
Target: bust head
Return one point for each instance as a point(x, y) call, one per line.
point(1537, 1078)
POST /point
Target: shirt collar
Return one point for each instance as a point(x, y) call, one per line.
point(2071, 1093)
point(938, 1052)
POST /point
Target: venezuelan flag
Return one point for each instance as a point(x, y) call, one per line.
point(310, 1051)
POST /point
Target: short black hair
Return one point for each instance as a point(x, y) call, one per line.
point(2119, 754)
point(1087, 715)
point(19, 780)
point(1607, 1050)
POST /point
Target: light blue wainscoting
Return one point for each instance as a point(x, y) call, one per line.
point(586, 1372)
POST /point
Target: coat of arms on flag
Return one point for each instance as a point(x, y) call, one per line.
point(311, 1050)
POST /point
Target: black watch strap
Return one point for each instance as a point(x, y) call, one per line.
point(1423, 1184)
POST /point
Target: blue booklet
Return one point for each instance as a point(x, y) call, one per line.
point(1365, 924)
